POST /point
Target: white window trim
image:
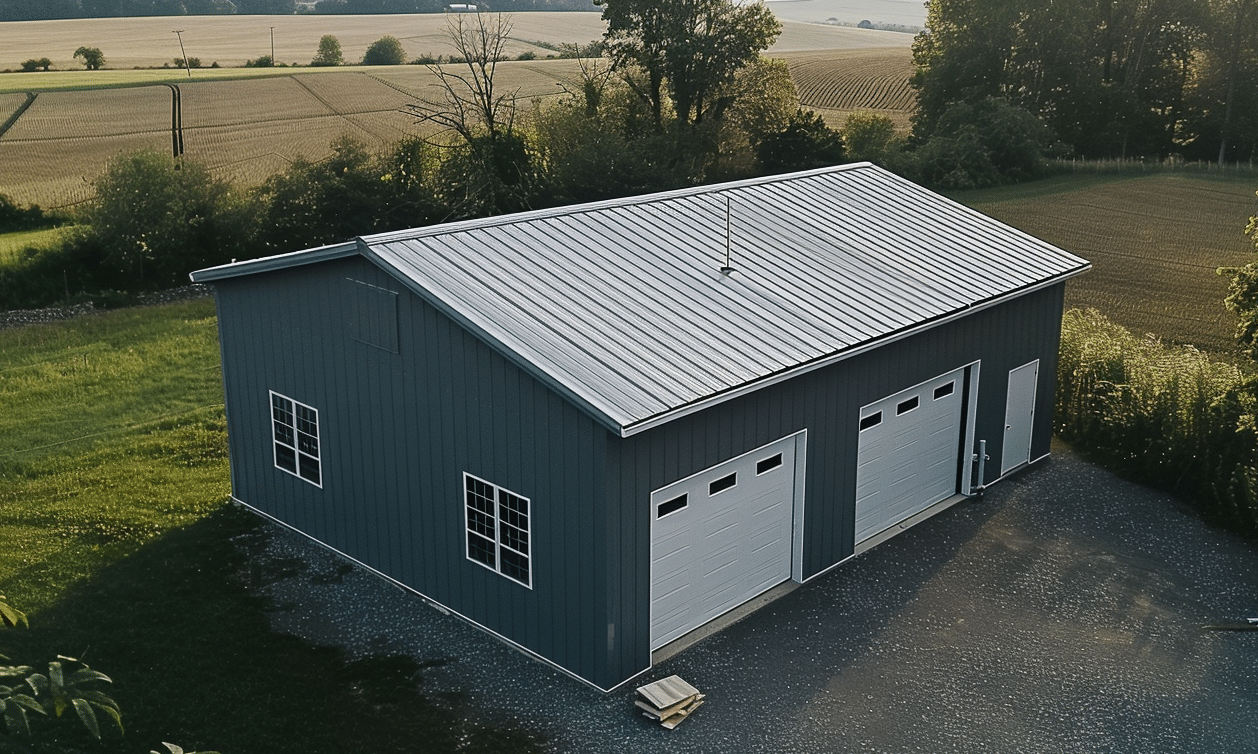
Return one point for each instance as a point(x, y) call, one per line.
point(298, 453)
point(498, 542)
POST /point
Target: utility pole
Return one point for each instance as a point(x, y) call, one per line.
point(186, 67)
point(272, 45)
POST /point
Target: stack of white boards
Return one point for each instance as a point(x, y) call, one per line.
point(669, 701)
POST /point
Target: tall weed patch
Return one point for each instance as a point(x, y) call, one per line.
point(1169, 415)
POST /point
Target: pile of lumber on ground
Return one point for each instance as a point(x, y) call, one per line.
point(669, 700)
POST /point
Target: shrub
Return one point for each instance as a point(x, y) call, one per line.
point(154, 220)
point(806, 142)
point(14, 217)
point(872, 137)
point(385, 51)
point(42, 64)
point(1169, 415)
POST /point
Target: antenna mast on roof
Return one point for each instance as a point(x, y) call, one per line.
point(727, 269)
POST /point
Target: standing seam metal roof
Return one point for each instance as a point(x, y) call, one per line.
point(623, 306)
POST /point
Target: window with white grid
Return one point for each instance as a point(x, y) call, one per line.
point(295, 431)
point(497, 529)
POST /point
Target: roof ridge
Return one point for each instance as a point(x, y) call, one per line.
point(568, 210)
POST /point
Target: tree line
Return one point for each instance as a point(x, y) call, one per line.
point(1113, 79)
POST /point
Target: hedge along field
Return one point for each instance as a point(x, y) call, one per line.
point(1155, 242)
point(836, 84)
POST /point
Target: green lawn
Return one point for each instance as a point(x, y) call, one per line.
point(121, 547)
point(12, 244)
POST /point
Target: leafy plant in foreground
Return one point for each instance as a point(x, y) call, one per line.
point(68, 685)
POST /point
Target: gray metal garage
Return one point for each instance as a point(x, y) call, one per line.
point(592, 430)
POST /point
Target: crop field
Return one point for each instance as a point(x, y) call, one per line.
point(838, 83)
point(1154, 243)
point(245, 130)
point(231, 40)
point(129, 43)
point(248, 129)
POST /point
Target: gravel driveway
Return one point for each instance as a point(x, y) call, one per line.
point(1062, 612)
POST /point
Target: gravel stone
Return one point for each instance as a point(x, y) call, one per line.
point(1061, 612)
point(21, 317)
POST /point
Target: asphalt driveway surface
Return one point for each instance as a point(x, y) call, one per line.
point(1062, 612)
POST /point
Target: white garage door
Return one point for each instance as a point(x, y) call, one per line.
point(909, 453)
point(719, 538)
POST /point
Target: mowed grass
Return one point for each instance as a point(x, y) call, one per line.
point(1154, 241)
point(121, 547)
point(13, 244)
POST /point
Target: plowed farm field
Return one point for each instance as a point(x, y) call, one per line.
point(1154, 243)
point(838, 83)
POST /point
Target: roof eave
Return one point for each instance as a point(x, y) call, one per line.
point(278, 262)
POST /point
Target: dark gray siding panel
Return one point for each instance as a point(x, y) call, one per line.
point(398, 430)
point(826, 403)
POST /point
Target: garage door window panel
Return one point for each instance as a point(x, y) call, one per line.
point(671, 506)
point(724, 483)
point(768, 464)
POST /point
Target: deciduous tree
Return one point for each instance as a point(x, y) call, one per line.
point(490, 167)
point(92, 57)
point(329, 52)
point(687, 50)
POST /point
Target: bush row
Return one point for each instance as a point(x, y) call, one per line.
point(1168, 415)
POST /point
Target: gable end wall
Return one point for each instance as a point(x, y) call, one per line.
point(398, 431)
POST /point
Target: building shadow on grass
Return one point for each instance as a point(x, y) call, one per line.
point(182, 628)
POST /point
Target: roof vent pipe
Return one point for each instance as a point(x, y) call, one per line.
point(726, 270)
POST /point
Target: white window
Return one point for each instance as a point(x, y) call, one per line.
point(497, 529)
point(295, 428)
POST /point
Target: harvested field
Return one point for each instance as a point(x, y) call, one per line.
point(9, 106)
point(841, 82)
point(247, 128)
point(111, 112)
point(1154, 242)
point(231, 40)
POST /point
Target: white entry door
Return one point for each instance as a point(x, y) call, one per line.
point(908, 454)
point(721, 537)
point(1019, 416)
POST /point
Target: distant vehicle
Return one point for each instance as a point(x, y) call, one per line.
point(461, 8)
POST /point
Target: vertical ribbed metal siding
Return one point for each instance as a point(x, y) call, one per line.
point(397, 431)
point(827, 403)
